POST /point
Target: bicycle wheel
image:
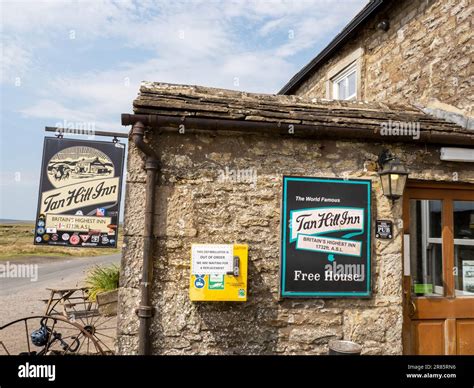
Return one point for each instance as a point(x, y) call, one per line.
point(47, 335)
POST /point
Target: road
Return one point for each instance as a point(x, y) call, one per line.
point(20, 296)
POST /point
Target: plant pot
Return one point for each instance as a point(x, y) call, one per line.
point(107, 303)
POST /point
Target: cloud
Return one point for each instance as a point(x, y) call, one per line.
point(174, 29)
point(15, 60)
point(271, 26)
point(100, 97)
point(243, 45)
point(254, 45)
point(62, 116)
point(306, 33)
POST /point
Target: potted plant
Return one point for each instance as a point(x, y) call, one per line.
point(103, 283)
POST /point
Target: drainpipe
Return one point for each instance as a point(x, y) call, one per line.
point(145, 311)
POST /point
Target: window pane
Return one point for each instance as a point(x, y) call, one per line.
point(464, 251)
point(398, 183)
point(425, 254)
point(434, 219)
point(351, 81)
point(341, 90)
point(464, 219)
point(385, 180)
point(464, 272)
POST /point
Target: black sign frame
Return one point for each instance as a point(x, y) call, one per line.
point(352, 193)
point(109, 156)
point(381, 234)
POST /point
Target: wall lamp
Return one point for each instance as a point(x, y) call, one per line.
point(393, 175)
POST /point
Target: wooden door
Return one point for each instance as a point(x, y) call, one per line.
point(438, 283)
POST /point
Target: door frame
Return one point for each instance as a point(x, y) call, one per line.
point(449, 307)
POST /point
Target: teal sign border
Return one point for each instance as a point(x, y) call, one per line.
point(290, 294)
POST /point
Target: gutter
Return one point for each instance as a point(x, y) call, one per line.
point(170, 123)
point(145, 310)
point(340, 39)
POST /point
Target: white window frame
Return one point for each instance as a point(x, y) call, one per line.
point(355, 57)
point(426, 240)
point(344, 74)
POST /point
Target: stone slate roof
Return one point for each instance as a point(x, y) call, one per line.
point(211, 103)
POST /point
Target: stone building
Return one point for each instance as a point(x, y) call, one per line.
point(183, 187)
point(418, 52)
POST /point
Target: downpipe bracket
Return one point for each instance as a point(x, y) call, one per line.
point(145, 311)
point(151, 164)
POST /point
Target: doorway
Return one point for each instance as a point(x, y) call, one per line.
point(438, 266)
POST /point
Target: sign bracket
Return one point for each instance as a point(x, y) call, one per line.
point(59, 132)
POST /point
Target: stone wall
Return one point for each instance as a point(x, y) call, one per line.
point(194, 206)
point(426, 57)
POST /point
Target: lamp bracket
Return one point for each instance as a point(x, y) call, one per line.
point(384, 157)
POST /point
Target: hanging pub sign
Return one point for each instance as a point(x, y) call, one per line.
point(325, 237)
point(79, 195)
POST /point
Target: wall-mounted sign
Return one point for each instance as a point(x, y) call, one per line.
point(325, 237)
point(79, 196)
point(383, 229)
point(468, 275)
point(212, 259)
point(218, 272)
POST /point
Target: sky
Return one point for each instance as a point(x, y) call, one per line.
point(80, 63)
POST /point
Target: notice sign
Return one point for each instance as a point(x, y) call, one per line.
point(212, 259)
point(325, 237)
point(79, 196)
point(383, 229)
point(468, 275)
point(218, 273)
point(78, 223)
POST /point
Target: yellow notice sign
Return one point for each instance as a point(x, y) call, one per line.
point(77, 223)
point(218, 272)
